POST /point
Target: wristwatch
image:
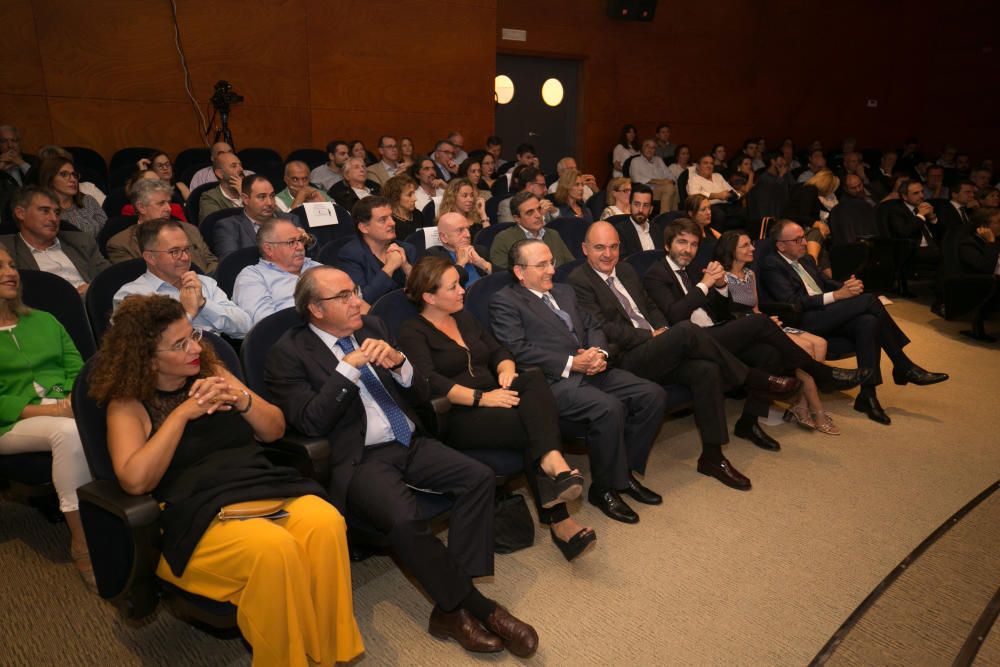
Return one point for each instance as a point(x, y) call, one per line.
point(400, 364)
point(477, 395)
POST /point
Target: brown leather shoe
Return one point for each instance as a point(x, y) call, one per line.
point(519, 637)
point(461, 626)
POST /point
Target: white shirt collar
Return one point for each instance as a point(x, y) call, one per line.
point(527, 234)
point(56, 245)
point(673, 265)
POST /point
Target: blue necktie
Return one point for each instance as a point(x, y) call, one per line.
point(397, 420)
point(563, 315)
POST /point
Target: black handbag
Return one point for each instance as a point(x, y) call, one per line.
point(513, 528)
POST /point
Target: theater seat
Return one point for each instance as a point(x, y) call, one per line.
point(231, 265)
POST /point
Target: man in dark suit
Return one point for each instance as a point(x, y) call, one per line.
point(843, 309)
point(240, 231)
point(638, 232)
point(976, 250)
point(355, 185)
point(376, 262)
point(540, 324)
point(704, 300)
point(912, 219)
point(955, 213)
point(640, 342)
point(456, 245)
point(40, 245)
point(444, 160)
point(336, 375)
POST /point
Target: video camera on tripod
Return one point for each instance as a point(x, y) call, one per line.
point(223, 98)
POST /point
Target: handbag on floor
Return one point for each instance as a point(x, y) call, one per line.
point(513, 527)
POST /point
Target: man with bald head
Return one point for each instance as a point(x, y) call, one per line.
point(298, 190)
point(337, 374)
point(229, 173)
point(267, 286)
point(207, 174)
point(456, 245)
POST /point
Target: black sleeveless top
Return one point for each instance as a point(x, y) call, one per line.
point(217, 462)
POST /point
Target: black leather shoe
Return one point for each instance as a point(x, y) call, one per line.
point(917, 375)
point(641, 493)
point(725, 473)
point(755, 434)
point(612, 504)
point(871, 407)
point(842, 378)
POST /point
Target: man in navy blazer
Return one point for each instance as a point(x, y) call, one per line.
point(338, 375)
point(843, 309)
point(539, 322)
point(376, 262)
point(240, 230)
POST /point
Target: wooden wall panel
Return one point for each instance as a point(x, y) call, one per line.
point(22, 69)
point(30, 113)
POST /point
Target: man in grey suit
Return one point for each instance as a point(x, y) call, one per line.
point(41, 246)
point(240, 231)
point(539, 322)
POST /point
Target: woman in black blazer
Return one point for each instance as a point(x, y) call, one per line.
point(494, 406)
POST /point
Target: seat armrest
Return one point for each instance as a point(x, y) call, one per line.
point(135, 511)
point(310, 455)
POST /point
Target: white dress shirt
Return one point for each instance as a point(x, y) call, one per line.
point(54, 260)
point(699, 185)
point(700, 316)
point(621, 288)
point(642, 170)
point(645, 238)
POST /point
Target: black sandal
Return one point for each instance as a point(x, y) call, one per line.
point(576, 544)
point(566, 486)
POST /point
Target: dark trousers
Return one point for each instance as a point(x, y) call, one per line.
point(751, 339)
point(623, 415)
point(864, 320)
point(531, 426)
point(379, 493)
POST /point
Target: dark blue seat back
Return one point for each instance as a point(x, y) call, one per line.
point(641, 261)
point(485, 237)
point(313, 157)
point(51, 293)
point(207, 226)
point(394, 308)
point(231, 265)
point(193, 205)
point(101, 293)
point(563, 270)
point(329, 253)
point(477, 298)
point(260, 339)
point(572, 231)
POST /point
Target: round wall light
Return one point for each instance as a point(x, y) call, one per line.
point(503, 89)
point(552, 92)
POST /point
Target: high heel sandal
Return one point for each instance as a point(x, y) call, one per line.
point(576, 545)
point(87, 573)
point(800, 416)
point(566, 486)
point(824, 423)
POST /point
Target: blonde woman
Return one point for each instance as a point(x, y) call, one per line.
point(619, 190)
point(461, 196)
point(569, 196)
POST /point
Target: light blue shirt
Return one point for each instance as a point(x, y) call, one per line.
point(264, 288)
point(378, 428)
point(219, 314)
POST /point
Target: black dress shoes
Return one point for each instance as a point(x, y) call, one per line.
point(519, 637)
point(754, 433)
point(641, 493)
point(725, 473)
point(842, 378)
point(917, 375)
point(463, 627)
point(871, 407)
point(612, 505)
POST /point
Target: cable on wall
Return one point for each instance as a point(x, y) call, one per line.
point(187, 74)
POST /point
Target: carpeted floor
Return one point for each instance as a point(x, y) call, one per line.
point(713, 576)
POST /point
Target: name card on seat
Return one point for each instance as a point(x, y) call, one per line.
point(431, 237)
point(320, 214)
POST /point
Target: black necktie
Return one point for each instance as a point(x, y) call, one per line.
point(685, 280)
point(965, 214)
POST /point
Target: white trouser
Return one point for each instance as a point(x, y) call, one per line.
point(58, 435)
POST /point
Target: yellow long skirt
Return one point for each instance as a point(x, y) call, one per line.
point(290, 580)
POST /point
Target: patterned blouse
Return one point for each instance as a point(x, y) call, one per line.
point(743, 290)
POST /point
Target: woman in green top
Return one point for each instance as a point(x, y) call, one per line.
point(38, 365)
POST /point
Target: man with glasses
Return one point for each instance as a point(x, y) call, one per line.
point(12, 161)
point(528, 179)
point(638, 232)
point(444, 160)
point(40, 244)
point(456, 246)
point(240, 230)
point(298, 190)
point(541, 325)
point(267, 286)
point(831, 308)
point(388, 166)
point(528, 208)
point(152, 202)
point(167, 253)
point(337, 375)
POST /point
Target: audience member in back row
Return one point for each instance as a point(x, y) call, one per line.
point(152, 201)
point(229, 173)
point(619, 190)
point(207, 174)
point(977, 252)
point(648, 168)
point(267, 286)
point(40, 245)
point(183, 428)
point(527, 179)
point(176, 211)
point(82, 211)
point(12, 162)
point(430, 188)
point(375, 260)
point(726, 212)
point(167, 252)
point(355, 186)
point(493, 406)
point(337, 375)
point(38, 366)
point(401, 191)
point(240, 230)
point(161, 165)
point(297, 190)
point(831, 308)
point(388, 166)
point(456, 246)
point(460, 196)
point(331, 172)
point(530, 220)
point(569, 196)
point(638, 233)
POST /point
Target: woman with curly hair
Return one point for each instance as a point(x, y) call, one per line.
point(460, 196)
point(38, 366)
point(401, 191)
point(183, 428)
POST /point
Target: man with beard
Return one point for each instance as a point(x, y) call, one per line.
point(229, 173)
point(638, 233)
point(330, 173)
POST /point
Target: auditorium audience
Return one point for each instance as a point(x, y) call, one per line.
point(472, 169)
point(175, 211)
point(42, 245)
point(430, 188)
point(337, 374)
point(988, 197)
point(934, 187)
point(376, 262)
point(626, 147)
point(526, 208)
point(528, 179)
point(38, 366)
point(816, 164)
point(207, 174)
point(649, 169)
point(489, 165)
point(152, 201)
point(456, 246)
point(978, 253)
point(355, 185)
point(589, 181)
point(400, 190)
point(167, 253)
point(458, 141)
point(405, 152)
point(229, 174)
point(388, 164)
point(569, 196)
point(638, 232)
point(681, 162)
point(664, 149)
point(298, 190)
point(240, 230)
point(357, 149)
point(619, 192)
point(82, 211)
point(444, 160)
point(12, 162)
point(267, 286)
point(725, 201)
point(331, 172)
point(460, 196)
point(493, 406)
point(183, 428)
point(163, 167)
